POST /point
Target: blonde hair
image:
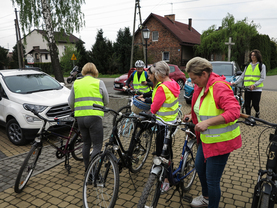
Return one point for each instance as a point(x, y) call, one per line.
point(197, 65)
point(90, 69)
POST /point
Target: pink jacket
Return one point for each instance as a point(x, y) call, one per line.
point(224, 99)
point(159, 98)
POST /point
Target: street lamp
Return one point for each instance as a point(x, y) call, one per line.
point(146, 35)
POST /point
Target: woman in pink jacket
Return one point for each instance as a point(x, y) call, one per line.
point(214, 111)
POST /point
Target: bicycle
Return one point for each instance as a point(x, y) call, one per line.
point(101, 184)
point(265, 190)
point(181, 177)
point(127, 126)
point(72, 146)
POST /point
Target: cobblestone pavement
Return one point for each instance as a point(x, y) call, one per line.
point(51, 185)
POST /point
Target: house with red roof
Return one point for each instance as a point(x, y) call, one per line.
point(170, 40)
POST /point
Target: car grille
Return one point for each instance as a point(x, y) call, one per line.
point(59, 111)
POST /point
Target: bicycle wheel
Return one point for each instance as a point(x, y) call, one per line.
point(125, 110)
point(140, 149)
point(104, 191)
point(76, 146)
point(188, 166)
point(264, 201)
point(27, 168)
point(151, 192)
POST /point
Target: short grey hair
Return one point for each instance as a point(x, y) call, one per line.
point(197, 65)
point(161, 69)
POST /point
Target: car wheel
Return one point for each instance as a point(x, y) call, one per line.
point(188, 101)
point(15, 133)
point(181, 83)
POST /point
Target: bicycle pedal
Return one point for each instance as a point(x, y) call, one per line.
point(187, 198)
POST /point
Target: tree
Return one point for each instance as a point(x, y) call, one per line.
point(213, 40)
point(66, 62)
point(122, 48)
point(4, 60)
point(101, 52)
point(83, 56)
point(58, 15)
point(15, 63)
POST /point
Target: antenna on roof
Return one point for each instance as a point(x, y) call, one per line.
point(171, 8)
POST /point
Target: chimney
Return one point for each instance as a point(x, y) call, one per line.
point(171, 17)
point(189, 26)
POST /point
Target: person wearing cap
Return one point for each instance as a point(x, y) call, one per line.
point(140, 79)
point(214, 111)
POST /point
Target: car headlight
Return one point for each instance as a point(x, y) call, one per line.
point(31, 118)
point(116, 79)
point(39, 108)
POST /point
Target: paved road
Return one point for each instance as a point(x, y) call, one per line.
point(51, 186)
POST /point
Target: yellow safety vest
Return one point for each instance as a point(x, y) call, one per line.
point(169, 109)
point(217, 133)
point(137, 82)
point(251, 76)
point(87, 93)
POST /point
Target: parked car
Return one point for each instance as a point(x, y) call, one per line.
point(175, 73)
point(229, 69)
point(19, 87)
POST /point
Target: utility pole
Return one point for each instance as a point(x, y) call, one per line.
point(137, 5)
point(18, 41)
point(18, 50)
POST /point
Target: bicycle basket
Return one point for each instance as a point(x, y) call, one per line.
point(139, 105)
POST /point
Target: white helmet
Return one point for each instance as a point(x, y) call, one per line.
point(139, 64)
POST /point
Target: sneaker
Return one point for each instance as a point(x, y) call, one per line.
point(165, 187)
point(257, 114)
point(199, 201)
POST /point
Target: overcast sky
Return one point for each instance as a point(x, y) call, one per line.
point(110, 16)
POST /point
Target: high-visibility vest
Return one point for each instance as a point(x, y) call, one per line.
point(169, 110)
point(137, 82)
point(250, 76)
point(217, 133)
point(87, 93)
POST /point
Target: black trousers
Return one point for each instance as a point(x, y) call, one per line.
point(252, 99)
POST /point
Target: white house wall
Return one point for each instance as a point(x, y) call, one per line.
point(35, 39)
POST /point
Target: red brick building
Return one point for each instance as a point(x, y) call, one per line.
point(170, 40)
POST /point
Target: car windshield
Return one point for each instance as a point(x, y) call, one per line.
point(223, 69)
point(30, 83)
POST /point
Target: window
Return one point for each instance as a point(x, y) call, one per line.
point(46, 56)
point(166, 56)
point(155, 36)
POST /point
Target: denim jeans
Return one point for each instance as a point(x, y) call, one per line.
point(210, 173)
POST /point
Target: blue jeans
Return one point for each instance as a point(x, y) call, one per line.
point(210, 173)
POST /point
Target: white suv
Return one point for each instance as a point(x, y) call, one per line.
point(20, 87)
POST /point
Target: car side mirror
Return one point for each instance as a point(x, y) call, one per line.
point(239, 73)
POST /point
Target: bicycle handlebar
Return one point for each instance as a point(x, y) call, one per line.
point(250, 120)
point(35, 112)
point(153, 118)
